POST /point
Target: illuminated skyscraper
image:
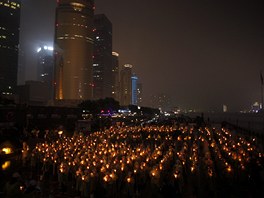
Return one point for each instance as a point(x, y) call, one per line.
point(45, 67)
point(103, 78)
point(9, 39)
point(73, 49)
point(134, 95)
point(125, 85)
point(115, 70)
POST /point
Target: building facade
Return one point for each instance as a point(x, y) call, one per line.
point(103, 78)
point(116, 84)
point(45, 67)
point(73, 50)
point(126, 85)
point(34, 93)
point(161, 101)
point(134, 93)
point(140, 93)
point(9, 41)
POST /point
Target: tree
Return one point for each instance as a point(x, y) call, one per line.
point(102, 105)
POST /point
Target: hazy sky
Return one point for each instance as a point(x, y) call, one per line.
point(203, 54)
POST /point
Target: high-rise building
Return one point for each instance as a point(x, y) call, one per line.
point(125, 85)
point(45, 67)
point(9, 40)
point(134, 95)
point(140, 93)
point(103, 78)
point(73, 49)
point(161, 101)
point(116, 84)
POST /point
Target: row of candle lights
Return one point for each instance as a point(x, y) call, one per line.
point(156, 151)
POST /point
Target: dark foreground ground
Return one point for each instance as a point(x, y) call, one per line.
point(33, 184)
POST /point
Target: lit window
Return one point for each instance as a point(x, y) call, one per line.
point(77, 6)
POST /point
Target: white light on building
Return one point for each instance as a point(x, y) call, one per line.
point(224, 108)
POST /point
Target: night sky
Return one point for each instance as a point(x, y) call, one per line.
point(202, 54)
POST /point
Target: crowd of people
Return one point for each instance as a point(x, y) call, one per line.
point(154, 161)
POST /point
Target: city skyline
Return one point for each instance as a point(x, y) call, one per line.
point(202, 55)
